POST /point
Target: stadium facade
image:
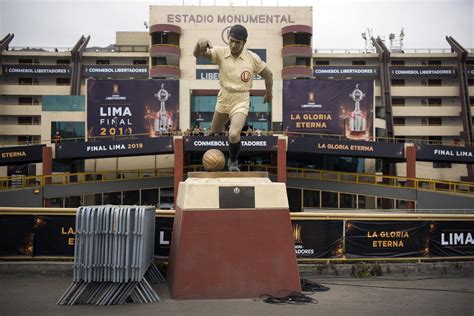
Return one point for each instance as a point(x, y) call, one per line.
point(419, 96)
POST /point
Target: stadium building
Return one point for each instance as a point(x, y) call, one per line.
point(410, 97)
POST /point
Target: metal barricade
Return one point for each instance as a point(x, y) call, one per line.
point(113, 256)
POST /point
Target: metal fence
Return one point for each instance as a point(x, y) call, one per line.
point(113, 256)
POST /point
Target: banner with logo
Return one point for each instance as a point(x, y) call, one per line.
point(163, 233)
point(16, 235)
point(318, 239)
point(451, 238)
point(249, 143)
point(124, 107)
point(112, 70)
point(317, 145)
point(33, 69)
point(115, 148)
point(21, 154)
point(54, 235)
point(455, 154)
point(422, 72)
point(390, 239)
point(342, 107)
point(345, 71)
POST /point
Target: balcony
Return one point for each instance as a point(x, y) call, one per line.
point(424, 91)
point(171, 52)
point(426, 111)
point(430, 130)
point(297, 28)
point(293, 72)
point(298, 50)
point(11, 129)
point(34, 90)
point(20, 109)
point(165, 71)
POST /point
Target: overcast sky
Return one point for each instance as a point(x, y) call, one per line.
point(337, 23)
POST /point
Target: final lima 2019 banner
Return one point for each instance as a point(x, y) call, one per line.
point(342, 107)
point(125, 107)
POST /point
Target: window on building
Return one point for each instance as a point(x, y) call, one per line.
point(398, 82)
point(434, 82)
point(321, 62)
point(149, 197)
point(139, 62)
point(69, 131)
point(398, 101)
point(63, 81)
point(434, 62)
point(159, 60)
point(25, 120)
point(25, 61)
point(434, 102)
point(347, 200)
point(102, 62)
point(25, 81)
point(303, 61)
point(434, 121)
point(311, 199)
point(398, 121)
point(63, 62)
point(25, 100)
point(358, 62)
point(398, 63)
point(329, 199)
point(441, 165)
point(303, 38)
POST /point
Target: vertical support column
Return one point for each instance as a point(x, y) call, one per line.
point(281, 160)
point(411, 170)
point(178, 164)
point(47, 169)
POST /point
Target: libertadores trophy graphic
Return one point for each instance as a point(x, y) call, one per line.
point(162, 118)
point(358, 119)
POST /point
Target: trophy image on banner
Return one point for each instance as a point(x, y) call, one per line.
point(357, 118)
point(162, 118)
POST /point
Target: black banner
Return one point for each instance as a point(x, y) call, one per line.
point(318, 239)
point(249, 143)
point(21, 154)
point(110, 70)
point(345, 71)
point(348, 148)
point(452, 238)
point(389, 239)
point(455, 154)
point(163, 234)
point(470, 72)
point(423, 72)
point(54, 235)
point(33, 69)
point(16, 235)
point(115, 148)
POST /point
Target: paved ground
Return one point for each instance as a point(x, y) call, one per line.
point(36, 294)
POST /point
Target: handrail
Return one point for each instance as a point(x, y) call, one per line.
point(17, 182)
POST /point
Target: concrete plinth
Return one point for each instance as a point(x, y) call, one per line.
point(232, 238)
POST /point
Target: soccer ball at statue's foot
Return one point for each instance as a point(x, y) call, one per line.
point(213, 160)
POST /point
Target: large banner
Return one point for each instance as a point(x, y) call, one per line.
point(452, 238)
point(318, 239)
point(390, 239)
point(342, 107)
point(54, 235)
point(115, 148)
point(124, 107)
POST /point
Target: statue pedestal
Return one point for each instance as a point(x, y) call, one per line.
point(232, 238)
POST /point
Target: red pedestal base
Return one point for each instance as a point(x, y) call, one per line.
point(225, 254)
